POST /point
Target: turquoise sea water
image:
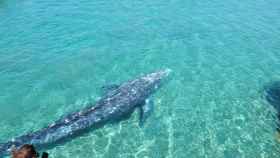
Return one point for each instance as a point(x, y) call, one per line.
point(55, 56)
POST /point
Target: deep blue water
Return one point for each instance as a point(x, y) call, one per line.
point(55, 56)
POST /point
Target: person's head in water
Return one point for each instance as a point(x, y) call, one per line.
point(26, 151)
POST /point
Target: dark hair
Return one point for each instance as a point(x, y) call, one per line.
point(25, 151)
point(45, 155)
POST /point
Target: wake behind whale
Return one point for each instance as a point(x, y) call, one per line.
point(118, 103)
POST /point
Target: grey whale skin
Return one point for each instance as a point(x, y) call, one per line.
point(116, 104)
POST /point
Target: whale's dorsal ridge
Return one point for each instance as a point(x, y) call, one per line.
point(108, 88)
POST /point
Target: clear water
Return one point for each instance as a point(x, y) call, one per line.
point(55, 56)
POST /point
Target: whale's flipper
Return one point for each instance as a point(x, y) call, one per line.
point(145, 111)
point(108, 88)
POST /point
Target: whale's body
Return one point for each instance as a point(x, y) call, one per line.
point(115, 105)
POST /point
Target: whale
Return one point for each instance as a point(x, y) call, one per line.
point(117, 103)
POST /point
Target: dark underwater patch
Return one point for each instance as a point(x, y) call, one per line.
point(272, 94)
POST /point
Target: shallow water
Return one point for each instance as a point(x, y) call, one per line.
point(55, 56)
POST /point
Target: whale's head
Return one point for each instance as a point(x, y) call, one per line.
point(157, 76)
point(154, 80)
point(144, 86)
